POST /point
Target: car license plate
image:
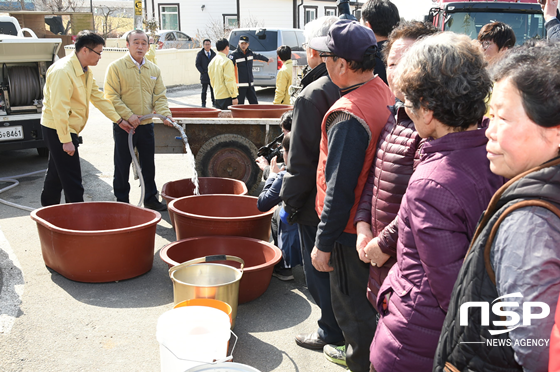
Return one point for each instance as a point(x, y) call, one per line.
point(11, 133)
point(256, 69)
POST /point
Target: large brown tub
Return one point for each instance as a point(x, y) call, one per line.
point(206, 185)
point(259, 111)
point(194, 112)
point(97, 241)
point(259, 256)
point(209, 215)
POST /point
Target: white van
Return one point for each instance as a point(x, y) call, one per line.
point(265, 41)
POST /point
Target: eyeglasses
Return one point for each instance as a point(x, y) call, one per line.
point(326, 55)
point(485, 44)
point(99, 54)
point(304, 45)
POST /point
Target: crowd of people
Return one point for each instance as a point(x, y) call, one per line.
point(420, 188)
point(422, 194)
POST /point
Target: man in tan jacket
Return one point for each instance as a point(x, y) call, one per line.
point(135, 87)
point(284, 77)
point(69, 88)
point(222, 77)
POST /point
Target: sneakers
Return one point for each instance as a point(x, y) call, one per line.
point(335, 354)
point(283, 273)
point(155, 205)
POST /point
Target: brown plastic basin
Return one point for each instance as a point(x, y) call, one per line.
point(206, 185)
point(209, 215)
point(259, 111)
point(97, 242)
point(194, 112)
point(259, 256)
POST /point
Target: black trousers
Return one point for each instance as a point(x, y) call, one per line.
point(319, 286)
point(223, 104)
point(143, 140)
point(63, 171)
point(248, 92)
point(354, 313)
point(203, 95)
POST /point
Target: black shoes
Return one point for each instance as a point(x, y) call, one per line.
point(310, 341)
point(155, 205)
point(283, 274)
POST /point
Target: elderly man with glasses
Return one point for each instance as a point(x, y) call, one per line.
point(349, 134)
point(299, 187)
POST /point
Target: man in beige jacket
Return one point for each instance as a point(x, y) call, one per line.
point(69, 88)
point(135, 87)
point(284, 76)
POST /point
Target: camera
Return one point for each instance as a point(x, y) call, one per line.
point(272, 149)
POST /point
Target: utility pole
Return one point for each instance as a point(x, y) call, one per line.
point(138, 14)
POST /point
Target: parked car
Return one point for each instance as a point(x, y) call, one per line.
point(266, 41)
point(167, 39)
point(174, 39)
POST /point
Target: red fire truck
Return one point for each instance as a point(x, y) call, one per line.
point(468, 17)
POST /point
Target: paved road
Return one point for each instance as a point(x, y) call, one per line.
point(49, 323)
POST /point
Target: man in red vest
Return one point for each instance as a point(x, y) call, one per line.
point(350, 130)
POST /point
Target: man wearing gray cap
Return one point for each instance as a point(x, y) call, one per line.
point(349, 134)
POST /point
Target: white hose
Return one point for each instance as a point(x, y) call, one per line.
point(14, 184)
point(137, 165)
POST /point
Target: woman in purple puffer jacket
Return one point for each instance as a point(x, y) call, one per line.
point(396, 156)
point(445, 86)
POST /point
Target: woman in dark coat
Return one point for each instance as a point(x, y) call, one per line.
point(515, 253)
point(445, 86)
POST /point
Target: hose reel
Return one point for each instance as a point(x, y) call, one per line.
point(24, 86)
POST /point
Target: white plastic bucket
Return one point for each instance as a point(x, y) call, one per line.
point(192, 335)
point(224, 367)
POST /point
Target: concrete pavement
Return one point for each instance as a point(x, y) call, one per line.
point(49, 323)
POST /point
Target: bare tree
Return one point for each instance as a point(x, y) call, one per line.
point(58, 5)
point(217, 30)
point(109, 20)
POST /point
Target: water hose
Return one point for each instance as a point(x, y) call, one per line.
point(137, 164)
point(15, 182)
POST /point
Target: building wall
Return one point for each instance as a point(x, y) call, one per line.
point(320, 6)
point(192, 18)
point(276, 13)
point(167, 61)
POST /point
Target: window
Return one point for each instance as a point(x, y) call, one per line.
point(230, 21)
point(268, 41)
point(330, 11)
point(169, 16)
point(289, 38)
point(525, 26)
point(310, 13)
point(183, 37)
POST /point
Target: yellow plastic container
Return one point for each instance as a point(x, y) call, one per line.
point(208, 302)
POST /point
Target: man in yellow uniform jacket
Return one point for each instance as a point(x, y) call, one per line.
point(284, 77)
point(222, 77)
point(69, 88)
point(135, 87)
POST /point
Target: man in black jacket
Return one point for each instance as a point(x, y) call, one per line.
point(203, 58)
point(299, 187)
point(242, 58)
point(382, 16)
